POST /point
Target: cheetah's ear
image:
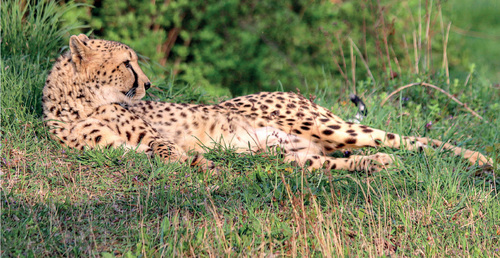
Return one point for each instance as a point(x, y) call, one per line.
point(83, 37)
point(80, 51)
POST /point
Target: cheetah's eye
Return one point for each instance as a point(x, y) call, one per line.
point(127, 64)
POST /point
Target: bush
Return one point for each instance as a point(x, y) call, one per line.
point(247, 46)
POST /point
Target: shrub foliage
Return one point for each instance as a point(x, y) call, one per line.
point(252, 45)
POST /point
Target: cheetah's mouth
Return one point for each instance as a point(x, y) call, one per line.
point(130, 93)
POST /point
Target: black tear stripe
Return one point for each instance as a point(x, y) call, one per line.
point(136, 83)
point(130, 93)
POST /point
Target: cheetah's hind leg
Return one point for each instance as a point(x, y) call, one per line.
point(307, 153)
point(370, 164)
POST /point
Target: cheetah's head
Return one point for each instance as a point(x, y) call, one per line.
point(112, 66)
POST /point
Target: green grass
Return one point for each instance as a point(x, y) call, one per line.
point(61, 202)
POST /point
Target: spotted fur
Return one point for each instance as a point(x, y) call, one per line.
point(92, 97)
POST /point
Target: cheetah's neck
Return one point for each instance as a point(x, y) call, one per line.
point(68, 96)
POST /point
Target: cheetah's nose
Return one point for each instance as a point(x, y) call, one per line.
point(147, 85)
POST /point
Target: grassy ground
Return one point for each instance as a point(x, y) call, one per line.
point(60, 202)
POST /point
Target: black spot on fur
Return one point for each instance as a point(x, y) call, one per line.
point(350, 141)
point(327, 132)
point(334, 127)
point(212, 128)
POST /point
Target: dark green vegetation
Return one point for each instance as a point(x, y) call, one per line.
point(476, 25)
point(60, 202)
point(239, 47)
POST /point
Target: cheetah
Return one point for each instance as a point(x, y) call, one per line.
point(92, 98)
